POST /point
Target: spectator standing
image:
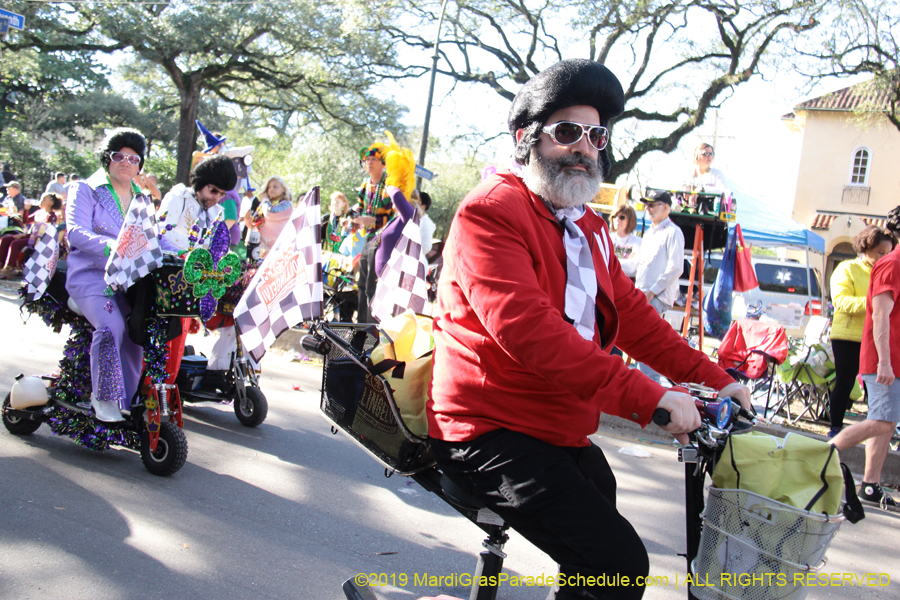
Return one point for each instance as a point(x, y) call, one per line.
point(336, 226)
point(57, 185)
point(849, 286)
point(623, 222)
point(879, 365)
point(659, 261)
point(375, 210)
point(705, 177)
point(276, 205)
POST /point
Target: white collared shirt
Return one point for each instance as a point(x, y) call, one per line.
point(181, 209)
point(659, 261)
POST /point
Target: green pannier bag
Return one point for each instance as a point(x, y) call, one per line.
point(796, 470)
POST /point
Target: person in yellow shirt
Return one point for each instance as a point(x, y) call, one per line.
point(849, 284)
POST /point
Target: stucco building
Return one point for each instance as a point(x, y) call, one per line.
point(848, 176)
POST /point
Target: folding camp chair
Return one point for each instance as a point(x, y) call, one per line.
point(750, 352)
point(807, 377)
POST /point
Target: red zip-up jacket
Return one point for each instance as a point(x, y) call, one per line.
point(505, 357)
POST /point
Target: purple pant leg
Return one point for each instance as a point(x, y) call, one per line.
point(107, 315)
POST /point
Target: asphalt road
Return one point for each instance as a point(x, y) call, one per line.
point(288, 510)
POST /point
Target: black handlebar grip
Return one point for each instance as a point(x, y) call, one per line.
point(661, 417)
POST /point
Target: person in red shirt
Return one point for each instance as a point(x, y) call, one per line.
point(531, 301)
point(879, 365)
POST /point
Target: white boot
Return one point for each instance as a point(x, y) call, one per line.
point(106, 411)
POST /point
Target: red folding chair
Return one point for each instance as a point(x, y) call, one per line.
point(749, 352)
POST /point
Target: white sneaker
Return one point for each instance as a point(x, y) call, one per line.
point(106, 411)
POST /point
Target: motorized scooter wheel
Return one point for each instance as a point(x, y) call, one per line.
point(253, 410)
point(15, 425)
point(171, 450)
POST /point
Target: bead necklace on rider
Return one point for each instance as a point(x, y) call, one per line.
point(373, 194)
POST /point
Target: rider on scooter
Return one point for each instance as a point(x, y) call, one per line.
point(187, 216)
point(530, 302)
point(95, 212)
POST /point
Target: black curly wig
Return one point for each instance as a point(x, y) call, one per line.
point(123, 137)
point(571, 82)
point(217, 170)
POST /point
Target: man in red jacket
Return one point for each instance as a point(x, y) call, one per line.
point(530, 302)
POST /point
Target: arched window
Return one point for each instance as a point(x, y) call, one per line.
point(859, 169)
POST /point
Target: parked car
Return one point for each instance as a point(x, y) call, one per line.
point(781, 282)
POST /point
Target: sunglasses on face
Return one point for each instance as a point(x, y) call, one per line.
point(215, 191)
point(132, 159)
point(707, 154)
point(567, 133)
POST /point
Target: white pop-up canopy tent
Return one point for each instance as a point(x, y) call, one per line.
point(764, 226)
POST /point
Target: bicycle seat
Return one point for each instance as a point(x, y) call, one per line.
point(458, 496)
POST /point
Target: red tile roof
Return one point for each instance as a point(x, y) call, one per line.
point(876, 222)
point(822, 221)
point(861, 96)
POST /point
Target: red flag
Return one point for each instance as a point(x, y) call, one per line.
point(744, 275)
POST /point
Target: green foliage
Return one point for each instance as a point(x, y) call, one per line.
point(287, 57)
point(164, 165)
point(83, 163)
point(28, 164)
point(450, 185)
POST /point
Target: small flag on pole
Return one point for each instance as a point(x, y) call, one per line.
point(41, 265)
point(137, 247)
point(287, 287)
point(402, 284)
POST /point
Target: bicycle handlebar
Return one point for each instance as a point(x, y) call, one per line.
point(661, 417)
point(721, 413)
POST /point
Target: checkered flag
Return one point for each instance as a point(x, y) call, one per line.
point(137, 247)
point(41, 265)
point(287, 287)
point(402, 284)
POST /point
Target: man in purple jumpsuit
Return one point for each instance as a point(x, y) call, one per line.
point(95, 211)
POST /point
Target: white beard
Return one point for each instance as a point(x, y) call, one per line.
point(562, 188)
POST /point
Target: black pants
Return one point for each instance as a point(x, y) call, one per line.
point(846, 368)
point(563, 500)
point(367, 281)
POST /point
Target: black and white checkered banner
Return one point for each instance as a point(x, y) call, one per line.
point(41, 265)
point(402, 283)
point(287, 287)
point(137, 247)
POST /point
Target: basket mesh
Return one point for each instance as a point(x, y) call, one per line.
point(745, 533)
point(360, 403)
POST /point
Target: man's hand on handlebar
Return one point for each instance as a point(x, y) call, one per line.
point(739, 392)
point(683, 414)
